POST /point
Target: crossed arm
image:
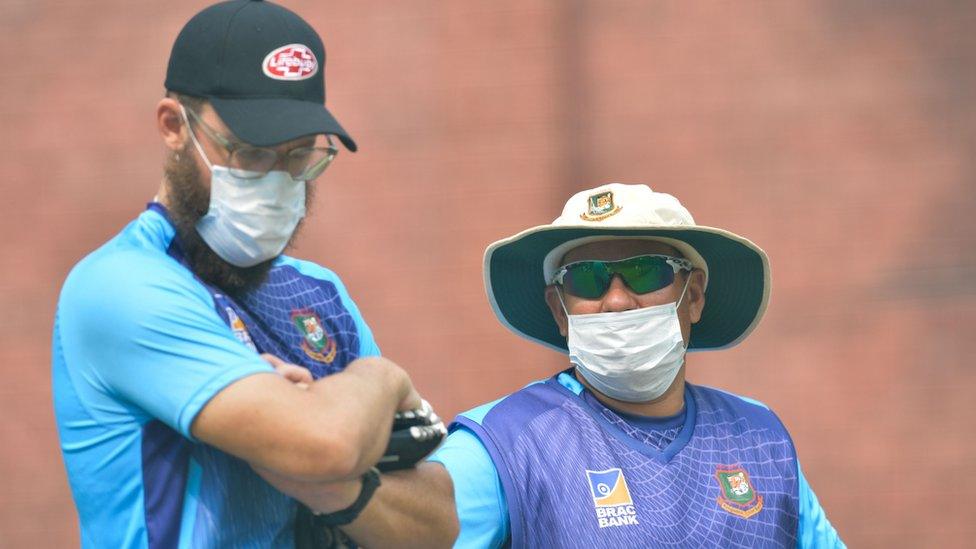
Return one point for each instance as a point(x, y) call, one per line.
point(314, 440)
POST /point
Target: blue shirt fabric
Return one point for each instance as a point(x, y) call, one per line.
point(482, 504)
point(140, 345)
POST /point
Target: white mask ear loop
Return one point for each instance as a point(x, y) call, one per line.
point(194, 139)
point(559, 294)
point(683, 290)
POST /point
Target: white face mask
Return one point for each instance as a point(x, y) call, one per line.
point(249, 220)
point(631, 356)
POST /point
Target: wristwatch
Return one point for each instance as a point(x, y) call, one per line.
point(371, 481)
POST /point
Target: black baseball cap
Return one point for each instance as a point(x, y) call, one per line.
point(261, 66)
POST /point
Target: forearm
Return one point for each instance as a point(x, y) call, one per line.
point(411, 508)
point(363, 399)
point(334, 430)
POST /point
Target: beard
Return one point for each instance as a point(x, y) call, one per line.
point(189, 201)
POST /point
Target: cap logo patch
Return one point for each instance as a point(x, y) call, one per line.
point(291, 62)
point(600, 206)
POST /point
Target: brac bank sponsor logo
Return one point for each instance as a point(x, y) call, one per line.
point(611, 498)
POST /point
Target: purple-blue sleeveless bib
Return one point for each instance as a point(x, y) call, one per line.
point(573, 479)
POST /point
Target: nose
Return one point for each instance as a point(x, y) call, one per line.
point(618, 297)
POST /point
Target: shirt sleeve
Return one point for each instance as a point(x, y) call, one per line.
point(481, 507)
point(815, 531)
point(143, 333)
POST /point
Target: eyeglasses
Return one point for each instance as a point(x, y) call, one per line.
point(249, 162)
point(642, 274)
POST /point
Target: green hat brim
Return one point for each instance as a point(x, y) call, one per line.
point(735, 300)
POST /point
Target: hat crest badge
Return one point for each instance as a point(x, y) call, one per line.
point(600, 206)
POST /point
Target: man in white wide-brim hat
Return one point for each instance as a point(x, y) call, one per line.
point(619, 450)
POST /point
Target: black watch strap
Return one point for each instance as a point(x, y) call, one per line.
point(371, 481)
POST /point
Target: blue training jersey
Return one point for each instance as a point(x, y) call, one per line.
point(140, 346)
point(546, 467)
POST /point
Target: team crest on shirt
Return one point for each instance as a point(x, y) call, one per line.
point(240, 330)
point(600, 206)
point(611, 498)
point(737, 495)
point(316, 341)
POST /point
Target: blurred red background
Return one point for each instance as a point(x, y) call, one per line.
point(838, 135)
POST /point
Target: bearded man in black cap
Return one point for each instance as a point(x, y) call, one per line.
point(203, 381)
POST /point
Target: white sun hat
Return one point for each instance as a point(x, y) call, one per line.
point(517, 269)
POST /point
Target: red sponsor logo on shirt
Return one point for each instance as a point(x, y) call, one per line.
point(291, 62)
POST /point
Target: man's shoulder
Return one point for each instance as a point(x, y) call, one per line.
point(125, 272)
point(732, 398)
point(141, 245)
point(740, 406)
point(133, 268)
point(489, 429)
point(535, 398)
point(287, 267)
point(478, 413)
point(308, 269)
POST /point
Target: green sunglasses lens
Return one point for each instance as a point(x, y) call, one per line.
point(645, 274)
point(587, 279)
point(642, 274)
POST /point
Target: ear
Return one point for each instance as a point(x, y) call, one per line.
point(695, 296)
point(556, 308)
point(169, 120)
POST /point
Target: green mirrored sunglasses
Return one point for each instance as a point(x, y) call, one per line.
point(643, 273)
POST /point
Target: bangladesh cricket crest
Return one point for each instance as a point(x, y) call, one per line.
point(600, 206)
point(737, 494)
point(316, 342)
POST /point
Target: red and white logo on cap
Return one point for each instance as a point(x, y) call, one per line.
point(291, 62)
